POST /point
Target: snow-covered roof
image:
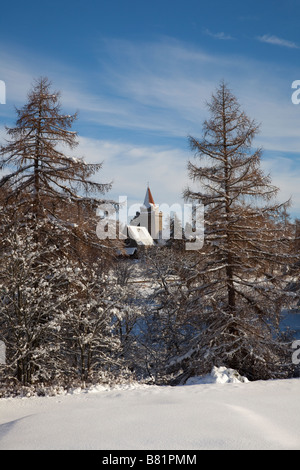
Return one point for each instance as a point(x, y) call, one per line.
point(140, 235)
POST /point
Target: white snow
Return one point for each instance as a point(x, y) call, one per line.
point(220, 375)
point(212, 413)
point(140, 235)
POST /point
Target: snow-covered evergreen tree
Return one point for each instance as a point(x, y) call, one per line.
point(48, 243)
point(89, 347)
point(166, 326)
point(32, 283)
point(57, 316)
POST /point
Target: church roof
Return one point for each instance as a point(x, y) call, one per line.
point(140, 235)
point(148, 198)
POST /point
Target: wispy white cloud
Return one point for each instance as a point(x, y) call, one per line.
point(159, 89)
point(220, 35)
point(130, 167)
point(275, 40)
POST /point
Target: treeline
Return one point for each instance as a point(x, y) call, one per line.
point(70, 312)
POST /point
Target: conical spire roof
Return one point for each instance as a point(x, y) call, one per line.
point(148, 198)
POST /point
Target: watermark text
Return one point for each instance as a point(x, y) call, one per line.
point(2, 92)
point(2, 353)
point(296, 354)
point(161, 222)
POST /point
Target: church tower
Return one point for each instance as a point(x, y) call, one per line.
point(150, 217)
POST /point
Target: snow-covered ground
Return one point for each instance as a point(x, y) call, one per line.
point(216, 412)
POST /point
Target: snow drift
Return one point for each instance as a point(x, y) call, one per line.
point(212, 413)
point(218, 375)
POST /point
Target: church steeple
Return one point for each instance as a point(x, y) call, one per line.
point(149, 216)
point(148, 201)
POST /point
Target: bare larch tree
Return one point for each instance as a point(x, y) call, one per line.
point(239, 274)
point(43, 180)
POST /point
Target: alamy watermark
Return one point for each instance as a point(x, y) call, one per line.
point(2, 353)
point(296, 94)
point(162, 222)
point(296, 354)
point(2, 92)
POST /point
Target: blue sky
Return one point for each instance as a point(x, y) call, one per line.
point(139, 74)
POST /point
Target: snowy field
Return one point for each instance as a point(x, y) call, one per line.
point(207, 414)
